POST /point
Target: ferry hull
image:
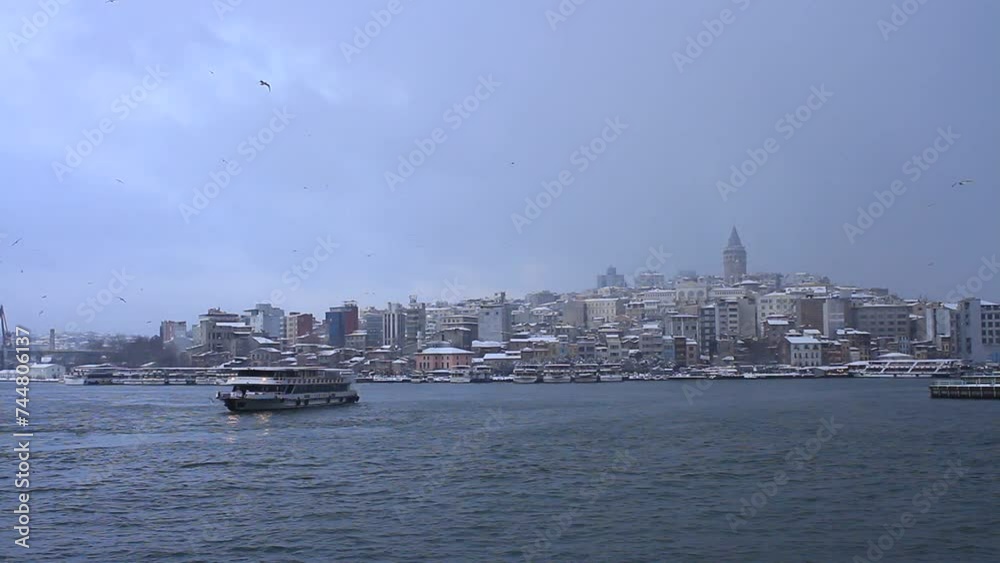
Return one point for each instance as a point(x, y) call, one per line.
point(244, 405)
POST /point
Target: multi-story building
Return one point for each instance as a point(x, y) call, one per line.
point(802, 351)
point(416, 326)
point(219, 332)
point(978, 330)
point(443, 358)
point(495, 320)
point(266, 320)
point(734, 259)
point(341, 321)
point(394, 326)
point(777, 304)
point(610, 279)
point(736, 318)
point(298, 327)
point(836, 313)
point(650, 279)
point(371, 323)
point(809, 312)
point(603, 310)
point(172, 330)
point(882, 320)
point(708, 335)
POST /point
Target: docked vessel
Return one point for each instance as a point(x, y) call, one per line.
point(94, 374)
point(280, 388)
point(482, 374)
point(610, 373)
point(462, 374)
point(558, 373)
point(586, 373)
point(526, 373)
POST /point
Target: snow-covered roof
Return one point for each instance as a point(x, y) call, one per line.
point(445, 350)
point(486, 344)
point(801, 340)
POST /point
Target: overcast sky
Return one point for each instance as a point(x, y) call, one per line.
point(546, 84)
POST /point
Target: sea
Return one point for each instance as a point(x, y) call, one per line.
point(755, 470)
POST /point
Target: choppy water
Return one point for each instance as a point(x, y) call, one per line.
point(610, 472)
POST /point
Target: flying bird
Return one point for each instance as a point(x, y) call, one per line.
point(122, 299)
point(262, 83)
point(119, 180)
point(40, 312)
point(44, 296)
point(15, 242)
point(962, 183)
point(930, 263)
point(370, 254)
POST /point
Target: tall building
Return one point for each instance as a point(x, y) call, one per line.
point(495, 322)
point(734, 259)
point(372, 325)
point(267, 320)
point(298, 326)
point(650, 279)
point(394, 326)
point(416, 326)
point(341, 321)
point(978, 330)
point(170, 330)
point(611, 278)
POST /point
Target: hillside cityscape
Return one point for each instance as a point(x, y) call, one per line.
point(800, 320)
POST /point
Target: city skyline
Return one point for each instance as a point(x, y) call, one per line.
point(673, 138)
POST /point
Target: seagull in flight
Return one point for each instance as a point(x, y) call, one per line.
point(262, 83)
point(930, 263)
point(119, 180)
point(962, 182)
point(15, 242)
point(370, 254)
point(122, 299)
point(44, 296)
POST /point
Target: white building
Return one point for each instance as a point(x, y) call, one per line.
point(776, 304)
point(603, 310)
point(978, 330)
point(804, 351)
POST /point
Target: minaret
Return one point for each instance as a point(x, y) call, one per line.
point(734, 259)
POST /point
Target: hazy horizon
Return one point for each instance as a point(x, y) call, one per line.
point(342, 113)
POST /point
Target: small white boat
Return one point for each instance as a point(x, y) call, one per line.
point(610, 373)
point(525, 373)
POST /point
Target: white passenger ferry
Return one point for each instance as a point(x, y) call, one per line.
point(586, 373)
point(525, 373)
point(279, 388)
point(558, 373)
point(610, 373)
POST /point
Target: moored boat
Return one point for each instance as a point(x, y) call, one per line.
point(525, 373)
point(557, 373)
point(586, 373)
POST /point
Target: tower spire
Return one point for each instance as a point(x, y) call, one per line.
point(734, 238)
